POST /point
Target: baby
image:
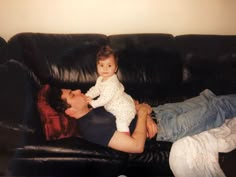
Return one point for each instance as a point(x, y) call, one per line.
point(111, 91)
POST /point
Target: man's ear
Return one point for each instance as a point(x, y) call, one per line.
point(70, 112)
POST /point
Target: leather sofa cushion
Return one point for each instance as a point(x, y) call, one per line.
point(17, 106)
point(3, 45)
point(209, 61)
point(67, 157)
point(62, 59)
point(149, 66)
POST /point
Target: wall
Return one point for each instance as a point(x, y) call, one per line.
point(118, 16)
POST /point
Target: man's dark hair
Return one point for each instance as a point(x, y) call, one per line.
point(55, 100)
point(106, 51)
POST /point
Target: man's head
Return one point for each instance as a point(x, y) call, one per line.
point(71, 102)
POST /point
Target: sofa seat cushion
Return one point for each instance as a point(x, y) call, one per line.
point(67, 157)
point(75, 151)
point(68, 147)
point(154, 160)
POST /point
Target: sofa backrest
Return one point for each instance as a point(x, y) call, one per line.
point(209, 61)
point(149, 65)
point(3, 44)
point(155, 68)
point(65, 59)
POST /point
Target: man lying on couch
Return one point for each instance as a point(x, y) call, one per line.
point(175, 120)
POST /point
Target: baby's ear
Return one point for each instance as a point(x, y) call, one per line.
point(70, 112)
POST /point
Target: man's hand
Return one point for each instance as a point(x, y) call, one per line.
point(143, 107)
point(151, 124)
point(152, 128)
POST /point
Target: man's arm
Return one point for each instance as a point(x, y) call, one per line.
point(152, 128)
point(135, 142)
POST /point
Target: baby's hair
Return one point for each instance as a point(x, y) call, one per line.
point(106, 51)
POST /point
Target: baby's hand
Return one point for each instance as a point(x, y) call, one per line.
point(89, 99)
point(136, 102)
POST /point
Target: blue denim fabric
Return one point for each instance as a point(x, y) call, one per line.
point(195, 115)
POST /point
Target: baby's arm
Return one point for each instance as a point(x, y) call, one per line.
point(107, 93)
point(94, 91)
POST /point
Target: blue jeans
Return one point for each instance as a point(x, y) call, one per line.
point(193, 116)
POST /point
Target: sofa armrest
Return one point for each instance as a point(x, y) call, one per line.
point(16, 95)
point(13, 101)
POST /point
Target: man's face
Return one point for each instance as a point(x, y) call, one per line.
point(75, 98)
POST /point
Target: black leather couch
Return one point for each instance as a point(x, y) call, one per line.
point(3, 44)
point(155, 68)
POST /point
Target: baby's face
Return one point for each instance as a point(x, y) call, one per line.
point(106, 67)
